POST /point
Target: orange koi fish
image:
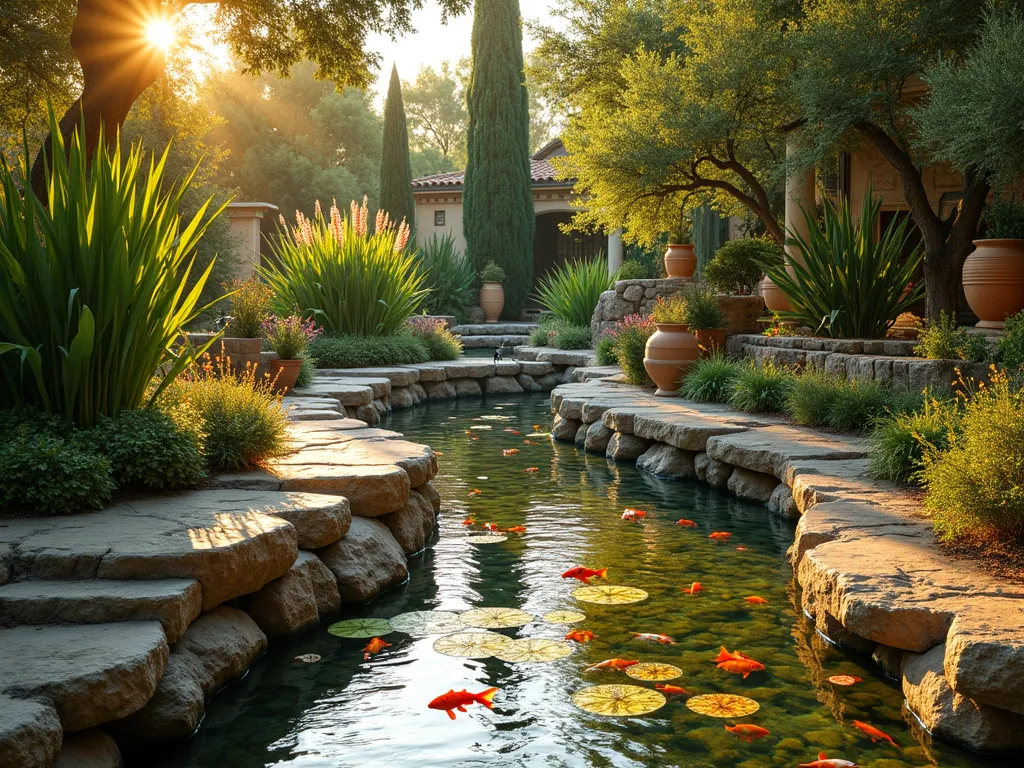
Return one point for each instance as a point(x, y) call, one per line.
point(686, 523)
point(536, 427)
point(824, 762)
point(742, 666)
point(374, 646)
point(530, 442)
point(874, 734)
point(585, 574)
point(748, 732)
point(516, 529)
point(755, 600)
point(720, 535)
point(616, 664)
point(492, 527)
point(694, 589)
point(468, 521)
point(510, 452)
point(532, 470)
point(580, 636)
point(724, 655)
point(469, 431)
point(474, 492)
point(653, 637)
point(671, 690)
point(457, 700)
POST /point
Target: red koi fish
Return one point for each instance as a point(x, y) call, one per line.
point(580, 636)
point(374, 646)
point(748, 732)
point(873, 733)
point(755, 600)
point(457, 700)
point(510, 452)
point(616, 664)
point(474, 492)
point(532, 470)
point(585, 574)
point(634, 512)
point(824, 762)
point(653, 637)
point(720, 535)
point(492, 527)
point(468, 521)
point(516, 529)
point(686, 523)
point(694, 589)
point(671, 690)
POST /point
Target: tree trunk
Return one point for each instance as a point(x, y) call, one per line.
point(942, 268)
point(118, 62)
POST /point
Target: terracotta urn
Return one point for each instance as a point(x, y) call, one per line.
point(710, 340)
point(669, 353)
point(242, 353)
point(492, 301)
point(993, 277)
point(774, 298)
point(741, 312)
point(680, 260)
point(284, 374)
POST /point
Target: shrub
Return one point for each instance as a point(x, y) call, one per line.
point(945, 340)
point(364, 351)
point(440, 342)
point(819, 399)
point(735, 268)
point(571, 337)
point(702, 310)
point(975, 487)
point(289, 337)
point(850, 284)
point(761, 388)
point(572, 290)
point(606, 350)
point(632, 269)
point(711, 379)
point(147, 449)
point(631, 335)
point(349, 280)
point(1011, 346)
point(492, 273)
point(448, 276)
point(539, 336)
point(899, 441)
point(306, 371)
point(91, 282)
point(250, 307)
point(1004, 220)
point(652, 259)
point(670, 310)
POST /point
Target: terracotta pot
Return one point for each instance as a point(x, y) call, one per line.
point(709, 340)
point(993, 278)
point(242, 353)
point(741, 312)
point(492, 301)
point(284, 374)
point(773, 296)
point(668, 356)
point(680, 260)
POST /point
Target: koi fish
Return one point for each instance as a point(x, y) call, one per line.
point(536, 427)
point(720, 535)
point(457, 700)
point(492, 527)
point(724, 655)
point(824, 762)
point(653, 637)
point(671, 690)
point(469, 431)
point(474, 438)
point(616, 664)
point(468, 521)
point(439, 453)
point(742, 549)
point(629, 517)
point(513, 431)
point(474, 492)
point(510, 452)
point(308, 658)
point(530, 442)
point(755, 600)
point(532, 470)
point(580, 636)
point(874, 734)
point(516, 529)
point(634, 512)
point(742, 666)
point(694, 589)
point(686, 523)
point(374, 646)
point(748, 732)
point(585, 574)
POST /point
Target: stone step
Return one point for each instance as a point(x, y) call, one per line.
point(495, 329)
point(175, 603)
point(493, 342)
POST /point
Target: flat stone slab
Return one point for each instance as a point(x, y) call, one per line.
point(91, 673)
point(370, 490)
point(595, 372)
point(175, 603)
point(228, 540)
point(495, 329)
point(815, 482)
point(769, 449)
point(399, 376)
point(347, 394)
point(379, 385)
point(30, 733)
point(317, 435)
point(418, 460)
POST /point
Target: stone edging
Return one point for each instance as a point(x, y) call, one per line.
point(872, 577)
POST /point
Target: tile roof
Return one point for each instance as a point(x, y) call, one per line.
point(542, 173)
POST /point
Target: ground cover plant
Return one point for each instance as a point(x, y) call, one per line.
point(711, 379)
point(571, 291)
point(448, 276)
point(350, 351)
point(819, 399)
point(899, 440)
point(946, 340)
point(553, 331)
point(761, 388)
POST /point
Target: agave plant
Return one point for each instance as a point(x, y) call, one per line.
point(92, 297)
point(448, 274)
point(572, 290)
point(848, 282)
point(352, 281)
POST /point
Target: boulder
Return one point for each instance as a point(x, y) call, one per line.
point(985, 653)
point(581, 436)
point(371, 490)
point(782, 504)
point(226, 641)
point(465, 387)
point(564, 430)
point(700, 466)
point(419, 394)
point(366, 562)
point(325, 586)
point(433, 495)
point(624, 447)
point(416, 459)
point(717, 473)
point(30, 733)
point(689, 430)
point(597, 438)
point(527, 382)
point(318, 519)
point(88, 749)
point(439, 390)
point(667, 461)
point(547, 381)
point(412, 525)
point(889, 660)
point(402, 398)
point(501, 385)
point(284, 606)
point(752, 485)
point(367, 413)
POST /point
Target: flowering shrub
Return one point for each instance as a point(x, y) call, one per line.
point(289, 336)
point(250, 306)
point(631, 334)
point(441, 343)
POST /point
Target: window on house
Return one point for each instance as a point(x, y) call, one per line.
point(438, 218)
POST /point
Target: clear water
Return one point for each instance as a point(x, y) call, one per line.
point(344, 711)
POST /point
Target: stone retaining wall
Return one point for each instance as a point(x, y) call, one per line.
point(630, 297)
point(871, 575)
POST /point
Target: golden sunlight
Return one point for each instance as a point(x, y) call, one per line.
point(160, 33)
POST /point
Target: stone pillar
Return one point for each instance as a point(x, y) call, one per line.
point(614, 251)
point(246, 226)
point(799, 193)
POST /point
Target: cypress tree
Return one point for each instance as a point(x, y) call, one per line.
point(395, 167)
point(497, 204)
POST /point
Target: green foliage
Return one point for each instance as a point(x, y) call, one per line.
point(975, 487)
point(735, 269)
point(850, 284)
point(761, 388)
point(571, 291)
point(91, 281)
point(448, 275)
point(571, 337)
point(539, 336)
point(818, 399)
point(670, 310)
point(395, 168)
point(289, 336)
point(498, 200)
point(440, 342)
point(250, 307)
point(631, 335)
point(945, 340)
point(492, 273)
point(701, 310)
point(711, 379)
point(1011, 345)
point(632, 269)
point(436, 108)
point(306, 372)
point(366, 351)
point(898, 441)
point(351, 281)
point(605, 350)
point(1004, 220)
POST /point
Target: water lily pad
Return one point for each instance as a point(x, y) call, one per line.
point(534, 650)
point(564, 617)
point(618, 700)
point(725, 705)
point(308, 658)
point(488, 538)
point(420, 623)
point(654, 672)
point(496, 618)
point(844, 680)
point(609, 594)
point(361, 628)
point(471, 645)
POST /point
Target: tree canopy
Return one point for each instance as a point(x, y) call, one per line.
point(436, 108)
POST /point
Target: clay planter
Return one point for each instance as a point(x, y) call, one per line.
point(284, 374)
point(710, 339)
point(680, 260)
point(241, 352)
point(773, 296)
point(993, 277)
point(492, 301)
point(668, 356)
point(740, 312)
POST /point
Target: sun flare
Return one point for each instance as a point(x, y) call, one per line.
point(161, 34)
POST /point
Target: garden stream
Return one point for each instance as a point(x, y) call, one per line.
point(346, 711)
